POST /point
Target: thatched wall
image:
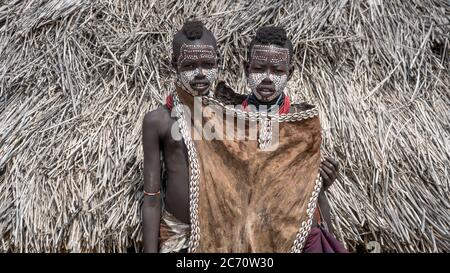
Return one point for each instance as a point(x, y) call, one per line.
point(76, 78)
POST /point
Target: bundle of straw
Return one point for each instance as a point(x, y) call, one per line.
point(77, 77)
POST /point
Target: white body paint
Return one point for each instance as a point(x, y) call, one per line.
point(255, 79)
point(194, 52)
point(187, 76)
point(280, 81)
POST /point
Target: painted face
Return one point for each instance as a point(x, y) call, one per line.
point(197, 68)
point(268, 71)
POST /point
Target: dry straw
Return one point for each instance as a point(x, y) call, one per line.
point(77, 77)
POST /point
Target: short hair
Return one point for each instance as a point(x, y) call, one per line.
point(272, 36)
point(191, 30)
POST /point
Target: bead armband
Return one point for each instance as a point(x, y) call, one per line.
point(152, 193)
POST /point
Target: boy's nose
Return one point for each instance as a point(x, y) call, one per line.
point(267, 80)
point(200, 73)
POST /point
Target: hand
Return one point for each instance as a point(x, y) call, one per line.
point(329, 170)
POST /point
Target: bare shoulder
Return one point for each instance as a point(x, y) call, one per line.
point(300, 107)
point(226, 94)
point(158, 120)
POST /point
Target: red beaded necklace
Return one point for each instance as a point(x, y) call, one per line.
point(284, 109)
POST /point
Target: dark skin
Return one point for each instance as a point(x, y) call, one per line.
point(329, 168)
point(157, 138)
point(157, 126)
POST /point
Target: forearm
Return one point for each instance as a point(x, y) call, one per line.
point(325, 209)
point(151, 212)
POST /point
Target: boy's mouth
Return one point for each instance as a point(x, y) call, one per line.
point(200, 86)
point(265, 90)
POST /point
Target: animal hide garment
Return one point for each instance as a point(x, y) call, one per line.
point(252, 200)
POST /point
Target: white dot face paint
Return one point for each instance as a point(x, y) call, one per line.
point(186, 77)
point(194, 53)
point(271, 55)
point(255, 79)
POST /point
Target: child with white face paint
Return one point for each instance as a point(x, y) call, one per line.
point(195, 62)
point(268, 70)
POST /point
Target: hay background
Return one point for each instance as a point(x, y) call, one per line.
point(76, 78)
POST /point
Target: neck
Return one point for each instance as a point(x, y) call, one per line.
point(252, 99)
point(283, 102)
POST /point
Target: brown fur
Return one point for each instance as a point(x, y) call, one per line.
point(252, 200)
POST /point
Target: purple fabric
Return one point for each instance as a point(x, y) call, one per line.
point(321, 241)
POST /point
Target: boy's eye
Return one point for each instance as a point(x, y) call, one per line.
point(208, 65)
point(188, 65)
point(279, 69)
